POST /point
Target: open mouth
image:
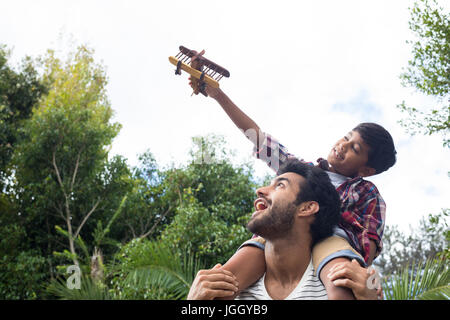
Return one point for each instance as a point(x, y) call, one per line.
point(260, 204)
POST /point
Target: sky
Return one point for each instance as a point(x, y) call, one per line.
point(307, 72)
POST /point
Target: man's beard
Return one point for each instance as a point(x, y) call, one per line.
point(275, 223)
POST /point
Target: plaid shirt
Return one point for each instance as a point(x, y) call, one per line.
point(362, 211)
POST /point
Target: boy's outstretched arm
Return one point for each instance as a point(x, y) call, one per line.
point(248, 264)
point(240, 119)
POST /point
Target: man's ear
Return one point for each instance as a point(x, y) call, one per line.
point(366, 171)
point(308, 208)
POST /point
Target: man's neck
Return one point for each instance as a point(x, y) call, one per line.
point(286, 262)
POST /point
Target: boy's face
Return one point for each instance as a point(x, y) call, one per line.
point(349, 156)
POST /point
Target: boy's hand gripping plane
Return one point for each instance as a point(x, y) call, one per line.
point(202, 70)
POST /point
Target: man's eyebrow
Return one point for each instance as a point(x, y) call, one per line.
point(278, 179)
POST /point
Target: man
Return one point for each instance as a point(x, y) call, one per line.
point(298, 209)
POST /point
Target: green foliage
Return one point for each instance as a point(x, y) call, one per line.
point(216, 200)
point(89, 290)
point(151, 270)
point(19, 91)
point(428, 240)
point(22, 269)
point(428, 70)
point(197, 229)
point(439, 225)
point(22, 275)
point(429, 280)
point(151, 203)
point(62, 172)
point(415, 266)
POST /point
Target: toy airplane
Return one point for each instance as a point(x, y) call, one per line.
point(202, 70)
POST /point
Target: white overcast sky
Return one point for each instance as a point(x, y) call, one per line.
point(306, 71)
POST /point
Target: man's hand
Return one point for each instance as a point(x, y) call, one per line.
point(355, 277)
point(213, 283)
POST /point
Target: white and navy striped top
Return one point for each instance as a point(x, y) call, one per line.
point(309, 288)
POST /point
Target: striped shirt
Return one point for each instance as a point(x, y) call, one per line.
point(309, 288)
point(363, 209)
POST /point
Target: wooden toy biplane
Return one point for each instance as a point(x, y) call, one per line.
point(202, 70)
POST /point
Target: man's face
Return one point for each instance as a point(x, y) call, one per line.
point(275, 206)
point(349, 156)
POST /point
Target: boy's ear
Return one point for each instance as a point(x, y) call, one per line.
point(308, 208)
point(366, 171)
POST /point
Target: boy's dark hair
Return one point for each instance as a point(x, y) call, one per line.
point(317, 187)
point(382, 151)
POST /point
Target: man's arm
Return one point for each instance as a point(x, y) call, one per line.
point(334, 291)
point(213, 283)
point(248, 264)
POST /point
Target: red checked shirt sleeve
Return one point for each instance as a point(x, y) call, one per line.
point(363, 214)
point(272, 152)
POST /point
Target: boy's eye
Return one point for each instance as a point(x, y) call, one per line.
point(357, 148)
point(280, 184)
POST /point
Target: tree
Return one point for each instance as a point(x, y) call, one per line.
point(415, 266)
point(215, 204)
point(429, 73)
point(429, 70)
point(430, 239)
point(19, 92)
point(61, 169)
point(151, 205)
point(22, 267)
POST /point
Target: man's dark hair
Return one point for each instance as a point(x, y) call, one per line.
point(316, 187)
point(382, 153)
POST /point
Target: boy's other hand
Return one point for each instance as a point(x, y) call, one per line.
point(355, 277)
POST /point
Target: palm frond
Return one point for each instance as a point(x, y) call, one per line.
point(89, 290)
point(163, 271)
point(419, 280)
point(439, 293)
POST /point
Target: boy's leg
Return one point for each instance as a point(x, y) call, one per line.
point(328, 253)
point(248, 264)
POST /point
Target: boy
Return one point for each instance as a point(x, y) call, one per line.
point(365, 151)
